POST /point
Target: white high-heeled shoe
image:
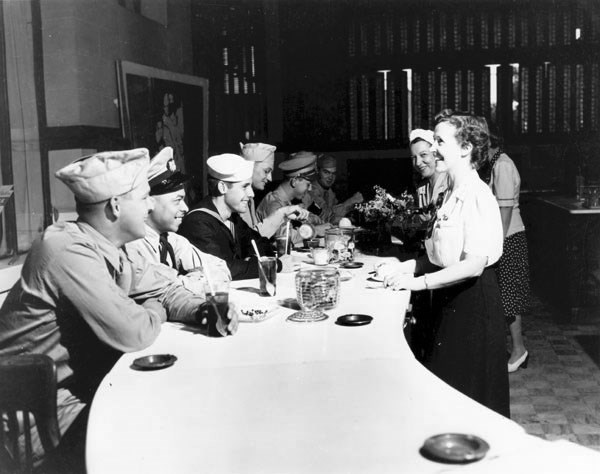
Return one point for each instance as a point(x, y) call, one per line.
point(520, 362)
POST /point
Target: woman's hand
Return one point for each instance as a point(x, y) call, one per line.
point(403, 281)
point(391, 267)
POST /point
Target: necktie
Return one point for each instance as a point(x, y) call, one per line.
point(164, 249)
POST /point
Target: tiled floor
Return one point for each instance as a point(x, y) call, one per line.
point(558, 394)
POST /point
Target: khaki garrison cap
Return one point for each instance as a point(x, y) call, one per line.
point(257, 151)
point(96, 178)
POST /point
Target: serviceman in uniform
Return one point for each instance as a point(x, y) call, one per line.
point(215, 225)
point(162, 244)
point(72, 301)
point(298, 172)
point(263, 157)
point(321, 199)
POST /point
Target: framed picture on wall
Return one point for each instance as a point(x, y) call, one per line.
point(161, 108)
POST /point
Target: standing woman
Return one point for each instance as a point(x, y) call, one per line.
point(469, 351)
point(513, 268)
point(431, 187)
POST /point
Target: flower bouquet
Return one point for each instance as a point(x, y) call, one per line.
point(385, 208)
point(385, 211)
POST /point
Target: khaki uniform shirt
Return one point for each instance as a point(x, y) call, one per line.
point(326, 200)
point(266, 226)
point(83, 302)
point(275, 200)
point(188, 258)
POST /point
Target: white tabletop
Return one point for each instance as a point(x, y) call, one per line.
point(282, 397)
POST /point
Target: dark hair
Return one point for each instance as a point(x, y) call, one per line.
point(471, 129)
point(213, 186)
point(496, 139)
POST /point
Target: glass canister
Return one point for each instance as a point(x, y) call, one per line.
point(324, 285)
point(316, 290)
point(339, 242)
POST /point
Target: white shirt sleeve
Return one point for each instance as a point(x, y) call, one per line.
point(505, 182)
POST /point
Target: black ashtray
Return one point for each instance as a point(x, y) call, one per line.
point(354, 320)
point(351, 265)
point(154, 362)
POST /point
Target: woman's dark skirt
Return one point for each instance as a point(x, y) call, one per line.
point(513, 276)
point(469, 342)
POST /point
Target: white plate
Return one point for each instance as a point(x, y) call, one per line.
point(375, 277)
point(257, 315)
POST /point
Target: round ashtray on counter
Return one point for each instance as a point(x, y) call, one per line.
point(455, 448)
point(351, 265)
point(154, 362)
point(354, 320)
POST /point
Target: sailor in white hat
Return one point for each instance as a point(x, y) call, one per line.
point(80, 299)
point(298, 172)
point(215, 225)
point(263, 157)
point(162, 244)
point(431, 182)
point(321, 200)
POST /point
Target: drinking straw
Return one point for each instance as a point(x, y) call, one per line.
point(268, 284)
point(255, 249)
point(207, 275)
point(287, 236)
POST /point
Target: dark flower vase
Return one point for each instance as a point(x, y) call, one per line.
point(375, 239)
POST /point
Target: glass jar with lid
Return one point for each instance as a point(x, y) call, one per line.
point(339, 242)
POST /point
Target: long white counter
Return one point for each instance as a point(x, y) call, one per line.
point(281, 397)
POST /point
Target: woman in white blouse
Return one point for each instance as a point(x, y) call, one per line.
point(468, 350)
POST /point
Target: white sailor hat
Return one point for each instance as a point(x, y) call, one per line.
point(96, 178)
point(257, 151)
point(229, 167)
point(426, 135)
point(163, 176)
point(299, 165)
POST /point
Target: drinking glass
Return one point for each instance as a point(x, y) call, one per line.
point(217, 300)
point(284, 246)
point(267, 275)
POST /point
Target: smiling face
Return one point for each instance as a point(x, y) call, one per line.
point(262, 173)
point(447, 149)
point(422, 158)
point(326, 176)
point(133, 212)
point(168, 211)
point(238, 194)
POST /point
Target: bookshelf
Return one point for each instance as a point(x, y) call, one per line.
point(449, 46)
